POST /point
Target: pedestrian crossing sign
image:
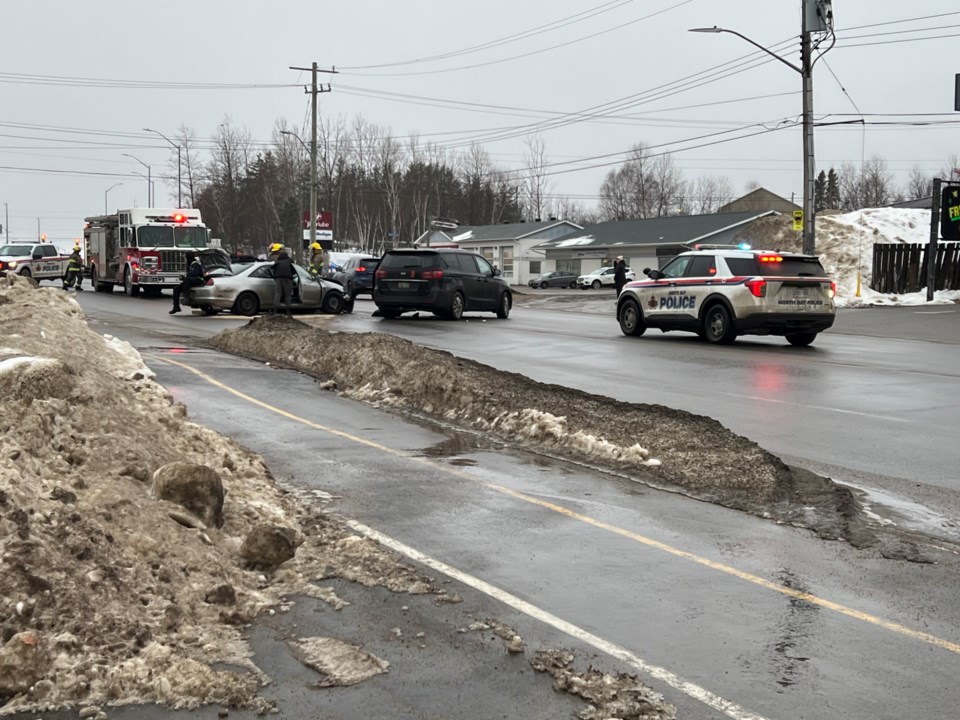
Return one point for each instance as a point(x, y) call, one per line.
point(798, 220)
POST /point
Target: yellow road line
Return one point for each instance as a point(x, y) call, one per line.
point(573, 515)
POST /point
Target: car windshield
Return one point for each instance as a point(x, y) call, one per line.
point(14, 250)
point(409, 260)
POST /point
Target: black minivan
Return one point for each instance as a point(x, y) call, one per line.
point(445, 281)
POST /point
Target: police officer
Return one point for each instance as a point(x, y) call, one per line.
point(619, 274)
point(74, 274)
point(193, 278)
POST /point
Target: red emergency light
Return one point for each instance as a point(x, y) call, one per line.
point(178, 217)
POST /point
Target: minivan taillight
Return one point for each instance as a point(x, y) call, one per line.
point(380, 274)
point(757, 287)
point(360, 268)
point(432, 274)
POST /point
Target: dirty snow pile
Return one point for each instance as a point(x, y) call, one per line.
point(845, 246)
point(110, 593)
point(648, 443)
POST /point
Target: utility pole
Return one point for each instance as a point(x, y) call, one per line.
point(809, 160)
point(314, 186)
point(6, 221)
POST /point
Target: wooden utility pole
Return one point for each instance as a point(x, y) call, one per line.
point(314, 91)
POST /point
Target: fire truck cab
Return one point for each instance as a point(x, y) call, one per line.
point(142, 248)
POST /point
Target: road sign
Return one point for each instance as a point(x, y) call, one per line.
point(950, 213)
point(798, 220)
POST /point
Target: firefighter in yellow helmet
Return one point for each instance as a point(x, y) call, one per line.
point(74, 274)
point(275, 250)
point(316, 260)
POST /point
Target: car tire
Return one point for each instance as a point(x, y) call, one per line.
point(504, 305)
point(801, 339)
point(595, 285)
point(208, 310)
point(543, 286)
point(348, 303)
point(25, 273)
point(332, 302)
point(456, 306)
point(573, 285)
point(630, 317)
point(389, 313)
point(129, 288)
point(247, 304)
point(718, 327)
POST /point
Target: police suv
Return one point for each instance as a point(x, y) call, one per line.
point(722, 291)
point(41, 261)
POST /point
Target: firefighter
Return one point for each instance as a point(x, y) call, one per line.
point(317, 257)
point(193, 278)
point(74, 274)
point(283, 281)
point(275, 251)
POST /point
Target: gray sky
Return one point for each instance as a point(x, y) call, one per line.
point(635, 55)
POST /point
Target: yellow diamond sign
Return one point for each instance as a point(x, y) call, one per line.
point(798, 220)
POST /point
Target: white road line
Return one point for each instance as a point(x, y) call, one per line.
point(693, 690)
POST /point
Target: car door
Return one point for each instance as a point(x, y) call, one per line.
point(489, 287)
point(470, 279)
point(311, 290)
point(659, 296)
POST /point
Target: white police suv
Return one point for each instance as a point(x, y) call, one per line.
point(722, 291)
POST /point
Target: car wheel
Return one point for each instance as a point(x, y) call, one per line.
point(128, 287)
point(247, 304)
point(208, 310)
point(543, 285)
point(503, 307)
point(389, 313)
point(631, 319)
point(595, 285)
point(801, 339)
point(348, 305)
point(25, 273)
point(456, 307)
point(717, 326)
point(573, 285)
point(332, 302)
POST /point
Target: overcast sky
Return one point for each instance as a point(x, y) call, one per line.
point(656, 83)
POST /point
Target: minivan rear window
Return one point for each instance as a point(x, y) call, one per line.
point(788, 267)
point(410, 260)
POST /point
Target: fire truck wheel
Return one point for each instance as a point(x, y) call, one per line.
point(128, 287)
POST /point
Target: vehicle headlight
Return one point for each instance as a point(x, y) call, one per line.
point(12, 263)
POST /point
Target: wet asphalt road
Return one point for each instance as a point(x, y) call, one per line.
point(704, 592)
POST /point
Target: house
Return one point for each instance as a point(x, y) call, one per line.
point(509, 246)
point(643, 243)
point(760, 199)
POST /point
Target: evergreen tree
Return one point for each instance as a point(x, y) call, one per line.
point(833, 191)
point(820, 192)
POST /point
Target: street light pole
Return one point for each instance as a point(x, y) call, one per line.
point(179, 176)
point(805, 69)
point(105, 211)
point(300, 207)
point(149, 181)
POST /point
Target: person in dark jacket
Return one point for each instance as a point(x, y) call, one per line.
point(74, 271)
point(193, 278)
point(619, 274)
point(283, 274)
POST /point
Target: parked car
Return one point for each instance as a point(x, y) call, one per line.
point(356, 275)
point(601, 277)
point(445, 281)
point(720, 292)
point(558, 278)
point(250, 290)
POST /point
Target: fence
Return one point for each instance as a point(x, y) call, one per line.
point(903, 268)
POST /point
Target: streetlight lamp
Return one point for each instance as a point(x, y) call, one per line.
point(805, 69)
point(105, 211)
point(179, 180)
point(149, 181)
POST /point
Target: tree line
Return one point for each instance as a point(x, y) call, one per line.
point(384, 191)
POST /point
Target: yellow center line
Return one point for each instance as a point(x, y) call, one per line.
point(574, 515)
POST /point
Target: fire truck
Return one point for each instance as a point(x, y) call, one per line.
point(142, 248)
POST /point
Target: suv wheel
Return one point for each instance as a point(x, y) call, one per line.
point(801, 339)
point(631, 318)
point(717, 326)
point(503, 307)
point(595, 285)
point(456, 307)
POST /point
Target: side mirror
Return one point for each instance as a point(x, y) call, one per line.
point(496, 272)
point(652, 274)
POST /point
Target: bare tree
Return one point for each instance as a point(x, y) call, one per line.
point(919, 184)
point(707, 194)
point(225, 173)
point(877, 182)
point(951, 169)
point(668, 186)
point(535, 183)
point(186, 138)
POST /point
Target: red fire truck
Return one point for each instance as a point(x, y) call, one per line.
point(142, 248)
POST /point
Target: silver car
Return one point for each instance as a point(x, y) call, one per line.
point(250, 289)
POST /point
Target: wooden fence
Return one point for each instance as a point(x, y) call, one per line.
point(903, 268)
